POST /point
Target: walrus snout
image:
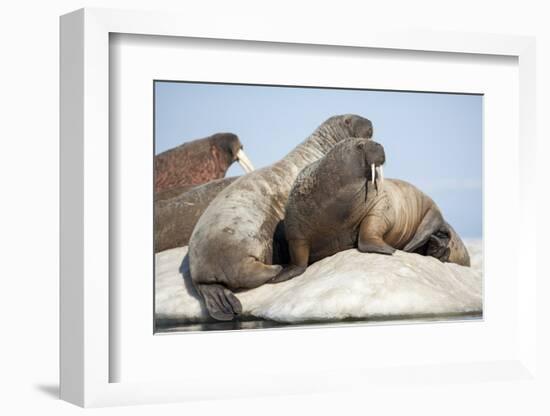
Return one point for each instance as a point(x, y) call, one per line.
point(232, 145)
point(364, 129)
point(369, 132)
point(375, 157)
point(244, 161)
point(359, 126)
point(374, 153)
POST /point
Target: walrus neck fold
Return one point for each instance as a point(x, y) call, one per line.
point(317, 145)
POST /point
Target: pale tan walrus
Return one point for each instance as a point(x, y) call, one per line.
point(231, 247)
point(337, 204)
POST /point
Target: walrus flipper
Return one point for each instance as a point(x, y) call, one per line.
point(377, 246)
point(299, 256)
point(254, 273)
point(221, 303)
point(431, 223)
point(447, 246)
point(371, 236)
point(438, 245)
point(288, 273)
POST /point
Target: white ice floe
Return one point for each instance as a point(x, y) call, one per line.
point(349, 284)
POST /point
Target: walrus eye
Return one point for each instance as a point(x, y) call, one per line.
point(347, 120)
point(359, 146)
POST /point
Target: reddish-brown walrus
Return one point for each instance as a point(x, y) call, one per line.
point(199, 161)
point(336, 204)
point(232, 246)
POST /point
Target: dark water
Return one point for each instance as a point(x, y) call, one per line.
point(164, 327)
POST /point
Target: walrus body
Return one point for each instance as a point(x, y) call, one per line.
point(176, 217)
point(331, 209)
point(403, 217)
point(231, 247)
point(199, 161)
point(173, 192)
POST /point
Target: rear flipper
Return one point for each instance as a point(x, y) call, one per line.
point(221, 303)
point(288, 273)
point(447, 246)
point(254, 273)
point(438, 245)
point(430, 224)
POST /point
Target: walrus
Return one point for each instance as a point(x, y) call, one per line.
point(232, 246)
point(173, 192)
point(199, 161)
point(175, 217)
point(337, 204)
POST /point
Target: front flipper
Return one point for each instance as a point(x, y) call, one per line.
point(377, 246)
point(221, 303)
point(429, 225)
point(288, 273)
point(371, 231)
point(299, 257)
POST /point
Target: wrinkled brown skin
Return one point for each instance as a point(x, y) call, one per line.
point(175, 217)
point(334, 206)
point(196, 162)
point(232, 247)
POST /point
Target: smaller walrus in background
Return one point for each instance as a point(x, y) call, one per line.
point(336, 204)
point(199, 161)
point(176, 217)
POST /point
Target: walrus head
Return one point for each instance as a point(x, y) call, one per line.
point(348, 125)
point(331, 132)
point(360, 158)
point(358, 126)
point(232, 148)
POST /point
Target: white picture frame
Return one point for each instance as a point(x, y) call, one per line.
point(86, 353)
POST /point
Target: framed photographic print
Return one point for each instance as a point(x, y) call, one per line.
point(271, 206)
point(436, 143)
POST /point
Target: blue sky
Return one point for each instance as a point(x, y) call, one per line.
point(432, 140)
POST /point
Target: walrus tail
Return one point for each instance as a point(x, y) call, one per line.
point(221, 303)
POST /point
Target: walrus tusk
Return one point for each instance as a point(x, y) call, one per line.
point(380, 176)
point(373, 174)
point(244, 161)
